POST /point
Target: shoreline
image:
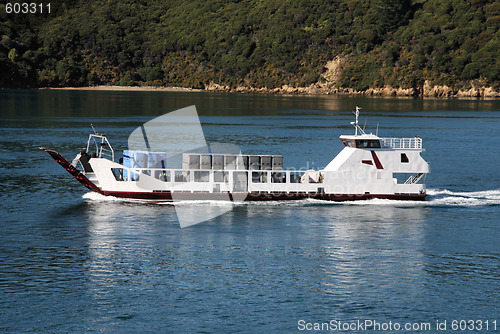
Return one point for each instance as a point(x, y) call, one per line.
point(427, 92)
point(126, 88)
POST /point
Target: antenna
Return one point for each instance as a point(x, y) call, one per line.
point(377, 130)
point(356, 124)
point(95, 132)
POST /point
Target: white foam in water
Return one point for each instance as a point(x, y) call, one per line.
point(435, 197)
point(93, 196)
point(98, 197)
point(442, 197)
point(201, 203)
point(473, 198)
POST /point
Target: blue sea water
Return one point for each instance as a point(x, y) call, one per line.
point(72, 261)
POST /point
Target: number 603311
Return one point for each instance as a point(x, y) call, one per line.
point(27, 8)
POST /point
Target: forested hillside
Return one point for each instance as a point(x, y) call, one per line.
point(253, 43)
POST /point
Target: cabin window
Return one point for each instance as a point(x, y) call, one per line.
point(118, 173)
point(409, 178)
point(162, 175)
point(221, 176)
point(368, 143)
point(125, 174)
point(259, 177)
point(181, 176)
point(240, 181)
point(404, 158)
point(201, 176)
point(131, 176)
point(314, 177)
point(278, 177)
point(295, 177)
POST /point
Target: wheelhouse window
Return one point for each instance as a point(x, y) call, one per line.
point(348, 142)
point(404, 158)
point(368, 143)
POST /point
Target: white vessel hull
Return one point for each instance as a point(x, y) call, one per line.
point(368, 167)
point(334, 185)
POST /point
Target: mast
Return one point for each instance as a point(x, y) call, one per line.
point(356, 123)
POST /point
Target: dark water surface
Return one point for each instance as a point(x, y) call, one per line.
point(75, 262)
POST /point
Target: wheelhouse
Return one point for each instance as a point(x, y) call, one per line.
point(367, 141)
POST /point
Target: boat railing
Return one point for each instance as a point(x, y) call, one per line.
point(226, 180)
point(402, 143)
point(102, 146)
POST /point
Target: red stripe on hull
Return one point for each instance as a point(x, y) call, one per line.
point(378, 164)
point(167, 196)
point(277, 196)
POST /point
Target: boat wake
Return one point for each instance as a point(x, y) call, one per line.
point(435, 197)
point(96, 197)
point(444, 198)
point(474, 198)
